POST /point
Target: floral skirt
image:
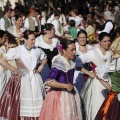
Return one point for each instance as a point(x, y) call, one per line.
point(61, 105)
point(10, 101)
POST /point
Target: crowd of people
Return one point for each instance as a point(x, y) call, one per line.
point(60, 61)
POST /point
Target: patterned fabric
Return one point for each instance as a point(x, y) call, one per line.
point(93, 94)
point(10, 100)
point(113, 105)
point(112, 113)
point(61, 105)
point(4, 73)
point(62, 64)
point(32, 90)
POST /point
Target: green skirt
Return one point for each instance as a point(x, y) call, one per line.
point(115, 81)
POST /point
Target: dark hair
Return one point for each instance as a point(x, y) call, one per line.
point(11, 39)
point(2, 33)
point(27, 33)
point(72, 23)
point(48, 26)
point(7, 10)
point(65, 43)
point(102, 35)
point(82, 32)
point(57, 13)
point(17, 16)
point(38, 11)
point(12, 10)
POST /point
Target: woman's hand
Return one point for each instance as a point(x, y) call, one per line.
point(39, 69)
point(69, 87)
point(15, 71)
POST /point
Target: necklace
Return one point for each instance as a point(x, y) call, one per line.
point(27, 48)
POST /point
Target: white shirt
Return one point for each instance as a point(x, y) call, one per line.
point(42, 44)
point(2, 24)
point(62, 19)
point(77, 20)
point(108, 28)
point(50, 19)
point(56, 25)
point(43, 21)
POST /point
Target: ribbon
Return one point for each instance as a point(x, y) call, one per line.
point(106, 106)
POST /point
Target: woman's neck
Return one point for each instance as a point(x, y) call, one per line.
point(68, 59)
point(17, 27)
point(103, 50)
point(47, 39)
point(83, 48)
point(27, 47)
point(74, 16)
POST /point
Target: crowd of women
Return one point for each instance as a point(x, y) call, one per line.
point(66, 69)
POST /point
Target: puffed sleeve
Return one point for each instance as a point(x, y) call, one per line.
point(12, 54)
point(42, 55)
point(54, 72)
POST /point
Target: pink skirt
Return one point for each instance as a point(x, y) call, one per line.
point(61, 105)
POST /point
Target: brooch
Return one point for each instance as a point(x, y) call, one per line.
point(105, 60)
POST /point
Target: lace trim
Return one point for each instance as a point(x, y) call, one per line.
point(62, 64)
point(102, 72)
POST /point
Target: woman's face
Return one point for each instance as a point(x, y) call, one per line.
point(3, 39)
point(82, 38)
point(70, 51)
point(19, 22)
point(52, 32)
point(72, 13)
point(105, 43)
point(30, 42)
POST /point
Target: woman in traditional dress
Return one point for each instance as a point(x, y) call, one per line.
point(23, 95)
point(111, 106)
point(7, 41)
point(81, 48)
point(48, 44)
point(4, 74)
point(62, 101)
point(18, 28)
point(94, 91)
